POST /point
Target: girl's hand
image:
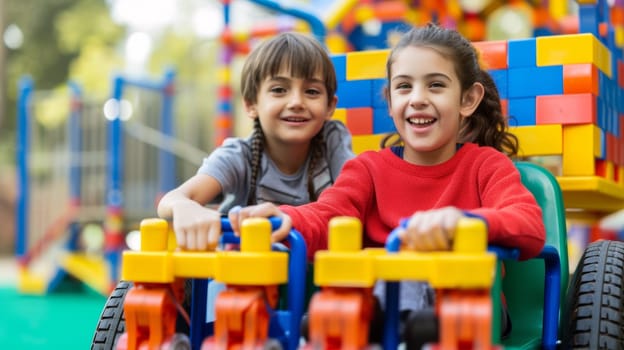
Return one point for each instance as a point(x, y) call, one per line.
point(264, 210)
point(432, 229)
point(196, 227)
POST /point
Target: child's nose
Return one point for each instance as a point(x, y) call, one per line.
point(296, 99)
point(418, 98)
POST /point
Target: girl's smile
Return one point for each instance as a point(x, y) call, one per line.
point(427, 104)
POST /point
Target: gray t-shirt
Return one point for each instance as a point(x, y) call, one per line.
point(230, 165)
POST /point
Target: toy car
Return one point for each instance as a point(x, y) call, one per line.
point(545, 312)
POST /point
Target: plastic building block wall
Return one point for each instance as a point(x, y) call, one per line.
point(563, 95)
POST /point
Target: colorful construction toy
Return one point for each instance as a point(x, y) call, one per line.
point(246, 312)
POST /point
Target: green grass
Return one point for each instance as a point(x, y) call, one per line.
point(64, 319)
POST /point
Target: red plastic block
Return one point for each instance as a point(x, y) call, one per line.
point(611, 147)
point(601, 168)
point(580, 78)
point(360, 121)
point(493, 54)
point(566, 109)
point(620, 68)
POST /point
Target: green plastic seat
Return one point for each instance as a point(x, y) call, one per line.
point(523, 284)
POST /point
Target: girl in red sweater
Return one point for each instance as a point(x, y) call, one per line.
point(450, 160)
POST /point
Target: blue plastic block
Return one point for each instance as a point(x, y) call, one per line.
point(355, 93)
point(602, 113)
point(589, 19)
point(521, 53)
point(340, 65)
point(382, 121)
point(535, 81)
point(378, 93)
point(521, 111)
point(500, 79)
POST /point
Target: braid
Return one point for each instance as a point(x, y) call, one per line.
point(317, 145)
point(257, 146)
point(488, 125)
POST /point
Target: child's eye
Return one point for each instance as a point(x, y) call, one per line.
point(314, 92)
point(437, 84)
point(278, 90)
point(401, 86)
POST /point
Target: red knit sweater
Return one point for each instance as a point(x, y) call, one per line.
point(380, 188)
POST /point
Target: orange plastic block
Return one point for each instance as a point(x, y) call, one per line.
point(566, 109)
point(150, 318)
point(340, 317)
point(504, 106)
point(360, 120)
point(493, 54)
point(465, 319)
point(580, 78)
point(243, 319)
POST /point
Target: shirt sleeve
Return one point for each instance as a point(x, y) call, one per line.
point(512, 214)
point(349, 196)
point(228, 164)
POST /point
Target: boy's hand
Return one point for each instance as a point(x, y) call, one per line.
point(264, 210)
point(432, 229)
point(196, 227)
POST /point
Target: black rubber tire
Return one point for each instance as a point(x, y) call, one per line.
point(593, 314)
point(112, 322)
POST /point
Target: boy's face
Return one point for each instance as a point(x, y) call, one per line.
point(291, 110)
point(426, 104)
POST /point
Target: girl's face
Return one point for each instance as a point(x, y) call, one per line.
point(291, 110)
point(427, 105)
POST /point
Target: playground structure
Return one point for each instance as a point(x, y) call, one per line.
point(564, 94)
point(87, 181)
point(356, 26)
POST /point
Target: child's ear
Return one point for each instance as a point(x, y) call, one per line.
point(331, 108)
point(471, 99)
point(250, 109)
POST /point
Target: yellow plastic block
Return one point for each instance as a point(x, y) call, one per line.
point(246, 268)
point(362, 143)
point(154, 267)
point(369, 64)
point(256, 235)
point(154, 235)
point(470, 236)
point(340, 114)
point(619, 36)
point(581, 146)
point(539, 140)
point(440, 269)
point(469, 265)
point(345, 234)
point(255, 264)
point(342, 269)
point(194, 264)
point(573, 48)
point(345, 263)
